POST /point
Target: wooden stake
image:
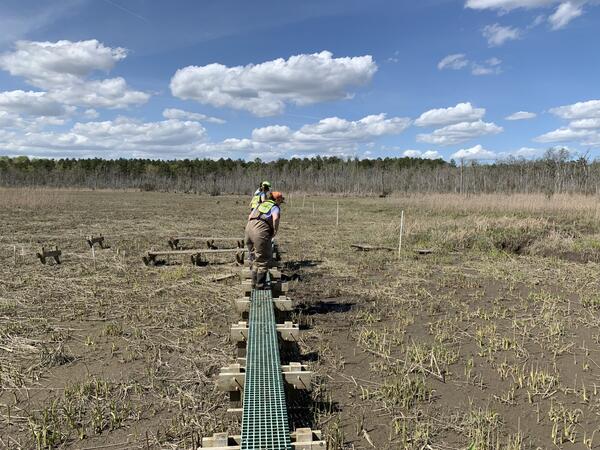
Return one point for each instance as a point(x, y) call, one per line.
point(94, 257)
point(313, 208)
point(337, 215)
point(401, 231)
point(303, 201)
point(15, 253)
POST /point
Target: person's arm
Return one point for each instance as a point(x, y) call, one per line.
point(275, 216)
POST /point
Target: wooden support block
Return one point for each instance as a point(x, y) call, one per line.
point(222, 441)
point(278, 288)
point(173, 243)
point(275, 274)
point(242, 305)
point(247, 287)
point(236, 412)
point(92, 240)
point(198, 260)
point(283, 303)
point(289, 331)
point(149, 260)
point(232, 378)
point(307, 439)
point(296, 375)
point(44, 254)
point(246, 274)
point(239, 332)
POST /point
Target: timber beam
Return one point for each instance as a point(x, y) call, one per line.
point(285, 304)
point(288, 331)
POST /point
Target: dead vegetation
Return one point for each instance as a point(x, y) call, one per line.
point(489, 342)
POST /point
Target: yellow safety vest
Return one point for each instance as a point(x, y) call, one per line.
point(266, 206)
point(256, 200)
point(262, 210)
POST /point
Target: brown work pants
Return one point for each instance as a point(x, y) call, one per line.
point(258, 237)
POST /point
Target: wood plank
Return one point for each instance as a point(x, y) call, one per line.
point(367, 247)
point(192, 238)
point(195, 251)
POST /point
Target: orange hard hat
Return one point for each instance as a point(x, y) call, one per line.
point(277, 196)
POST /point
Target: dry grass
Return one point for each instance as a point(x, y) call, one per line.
point(515, 203)
point(490, 342)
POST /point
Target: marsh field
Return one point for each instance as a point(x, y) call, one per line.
point(490, 341)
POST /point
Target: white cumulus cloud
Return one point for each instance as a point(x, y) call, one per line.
point(521, 115)
point(179, 114)
point(63, 69)
point(462, 112)
point(264, 89)
point(47, 64)
point(122, 136)
point(429, 154)
point(508, 5)
point(31, 103)
point(474, 153)
point(579, 110)
point(567, 134)
point(497, 34)
point(565, 12)
point(586, 124)
point(187, 138)
point(332, 131)
point(110, 93)
point(522, 153)
point(583, 128)
point(460, 132)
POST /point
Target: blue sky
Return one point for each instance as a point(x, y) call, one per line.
point(470, 79)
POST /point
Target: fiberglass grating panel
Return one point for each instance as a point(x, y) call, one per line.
point(264, 419)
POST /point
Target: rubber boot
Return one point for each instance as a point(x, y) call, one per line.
point(253, 278)
point(261, 280)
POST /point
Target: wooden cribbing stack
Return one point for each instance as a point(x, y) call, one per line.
point(93, 240)
point(196, 255)
point(44, 254)
point(174, 242)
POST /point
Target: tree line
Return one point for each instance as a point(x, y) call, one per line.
point(556, 172)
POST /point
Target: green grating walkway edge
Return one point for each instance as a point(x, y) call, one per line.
point(265, 420)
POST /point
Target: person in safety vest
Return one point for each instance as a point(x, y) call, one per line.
point(262, 226)
point(260, 194)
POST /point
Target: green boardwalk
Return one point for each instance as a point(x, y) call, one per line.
point(265, 420)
